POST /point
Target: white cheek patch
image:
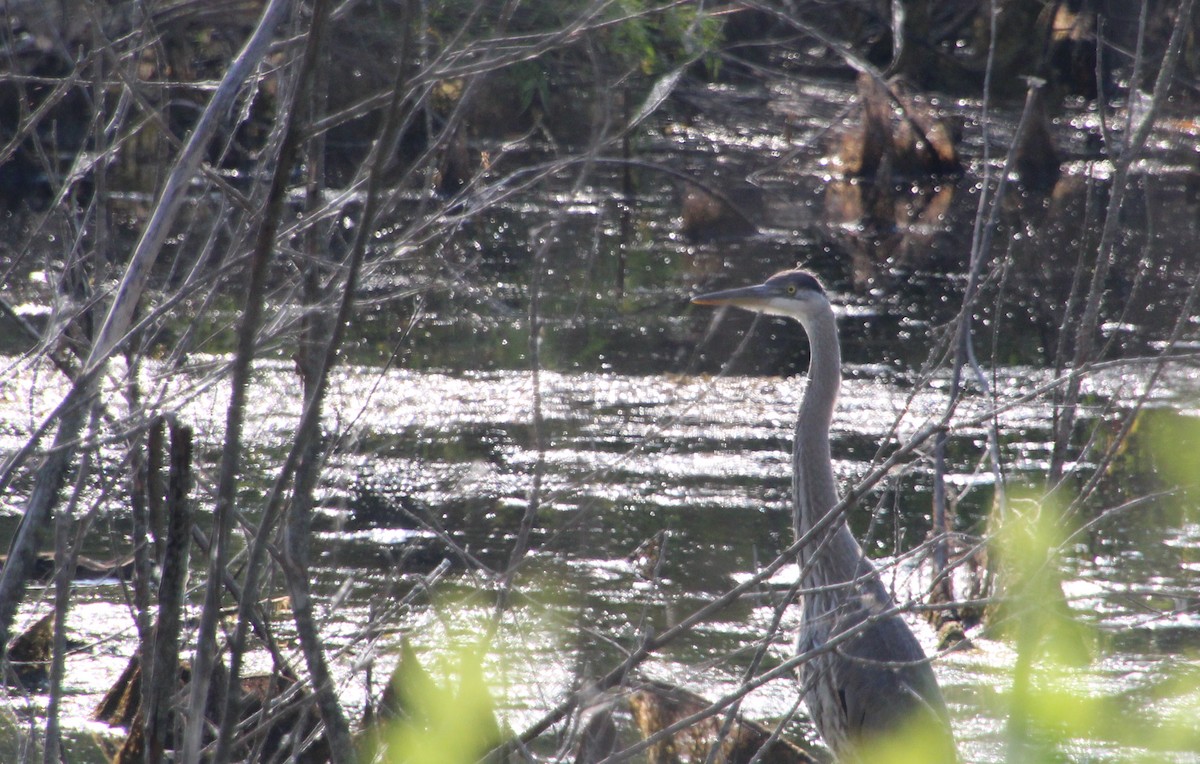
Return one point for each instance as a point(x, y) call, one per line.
point(773, 306)
point(791, 307)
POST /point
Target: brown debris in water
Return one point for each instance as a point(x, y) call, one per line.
point(898, 134)
point(657, 705)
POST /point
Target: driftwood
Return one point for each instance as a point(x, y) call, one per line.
point(86, 568)
point(598, 738)
point(1034, 156)
point(30, 653)
point(657, 705)
point(708, 215)
point(898, 135)
point(272, 730)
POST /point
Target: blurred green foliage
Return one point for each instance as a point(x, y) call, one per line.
point(660, 40)
point(1054, 701)
point(1173, 441)
point(627, 36)
point(446, 715)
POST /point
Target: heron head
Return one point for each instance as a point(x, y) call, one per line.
point(793, 293)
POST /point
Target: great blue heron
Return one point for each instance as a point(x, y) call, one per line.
point(878, 680)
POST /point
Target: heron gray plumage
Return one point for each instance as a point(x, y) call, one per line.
point(878, 679)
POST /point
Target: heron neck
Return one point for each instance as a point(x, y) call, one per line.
point(834, 555)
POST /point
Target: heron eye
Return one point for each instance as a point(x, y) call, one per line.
point(791, 289)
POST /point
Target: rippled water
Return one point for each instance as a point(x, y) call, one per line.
point(704, 458)
point(654, 418)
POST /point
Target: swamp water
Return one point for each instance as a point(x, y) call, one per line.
point(642, 435)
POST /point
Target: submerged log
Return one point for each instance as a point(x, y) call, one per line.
point(119, 705)
point(657, 705)
point(1037, 161)
point(86, 568)
point(951, 631)
point(598, 738)
point(709, 215)
point(270, 733)
point(898, 134)
point(30, 653)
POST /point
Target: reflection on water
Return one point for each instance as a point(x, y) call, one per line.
point(435, 461)
point(704, 459)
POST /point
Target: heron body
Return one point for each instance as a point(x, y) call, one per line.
point(875, 679)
